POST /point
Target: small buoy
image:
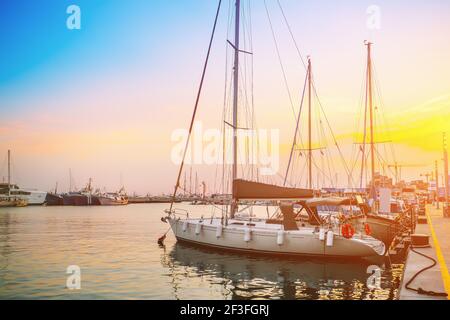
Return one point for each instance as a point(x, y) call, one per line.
point(219, 231)
point(280, 237)
point(330, 238)
point(198, 228)
point(247, 235)
point(322, 234)
point(347, 231)
point(185, 225)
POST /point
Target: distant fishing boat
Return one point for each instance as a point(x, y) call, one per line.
point(118, 198)
point(53, 199)
point(84, 197)
point(112, 199)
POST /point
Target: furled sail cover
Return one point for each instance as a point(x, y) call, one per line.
point(243, 189)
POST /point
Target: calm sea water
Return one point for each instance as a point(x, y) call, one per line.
point(116, 251)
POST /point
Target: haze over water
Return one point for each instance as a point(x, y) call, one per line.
point(116, 249)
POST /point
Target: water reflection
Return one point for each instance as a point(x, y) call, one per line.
point(243, 276)
point(117, 252)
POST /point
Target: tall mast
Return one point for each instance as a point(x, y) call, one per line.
point(363, 151)
point(9, 172)
point(372, 142)
point(309, 128)
point(445, 170)
point(235, 99)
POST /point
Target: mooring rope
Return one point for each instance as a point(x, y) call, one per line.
point(420, 290)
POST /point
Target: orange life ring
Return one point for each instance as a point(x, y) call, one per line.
point(367, 229)
point(347, 230)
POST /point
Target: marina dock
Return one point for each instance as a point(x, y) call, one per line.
point(437, 278)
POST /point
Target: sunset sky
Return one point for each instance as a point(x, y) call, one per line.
point(105, 100)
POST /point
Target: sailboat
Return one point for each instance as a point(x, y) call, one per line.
point(383, 226)
point(263, 236)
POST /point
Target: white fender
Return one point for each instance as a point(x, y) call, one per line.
point(198, 228)
point(322, 234)
point(219, 231)
point(185, 225)
point(330, 238)
point(247, 235)
point(280, 237)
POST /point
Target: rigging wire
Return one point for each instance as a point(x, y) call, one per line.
point(196, 106)
point(280, 60)
point(292, 34)
point(294, 142)
point(332, 134)
point(315, 90)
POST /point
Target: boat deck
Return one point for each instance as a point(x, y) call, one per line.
point(436, 279)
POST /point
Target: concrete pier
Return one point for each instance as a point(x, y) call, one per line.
point(436, 279)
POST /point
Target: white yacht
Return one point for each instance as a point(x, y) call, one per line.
point(21, 197)
point(32, 197)
point(280, 236)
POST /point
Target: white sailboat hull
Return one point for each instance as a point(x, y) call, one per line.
point(264, 238)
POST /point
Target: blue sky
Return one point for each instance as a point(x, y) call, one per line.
point(133, 69)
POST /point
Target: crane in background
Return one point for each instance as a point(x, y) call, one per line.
point(427, 176)
point(398, 169)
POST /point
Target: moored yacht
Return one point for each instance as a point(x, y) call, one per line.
point(280, 236)
point(21, 197)
point(32, 197)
